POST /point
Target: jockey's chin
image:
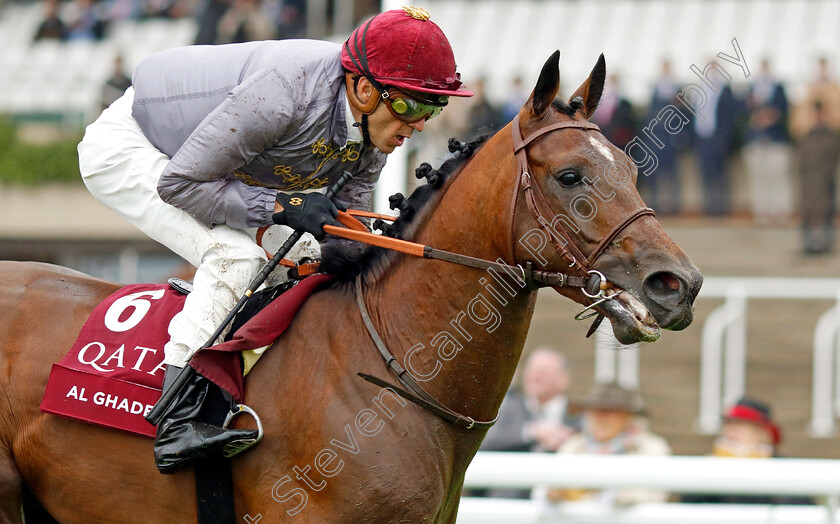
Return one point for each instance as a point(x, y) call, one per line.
point(387, 132)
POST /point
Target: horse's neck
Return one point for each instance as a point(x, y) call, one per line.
point(462, 329)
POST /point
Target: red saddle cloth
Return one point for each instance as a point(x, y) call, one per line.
point(113, 374)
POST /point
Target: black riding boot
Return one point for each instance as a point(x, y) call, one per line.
point(181, 437)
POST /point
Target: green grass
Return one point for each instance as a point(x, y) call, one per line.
point(33, 164)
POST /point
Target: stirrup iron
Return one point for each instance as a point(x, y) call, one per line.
point(238, 446)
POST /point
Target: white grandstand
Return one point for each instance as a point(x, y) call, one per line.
point(65, 78)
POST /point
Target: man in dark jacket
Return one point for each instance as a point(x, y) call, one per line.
point(767, 149)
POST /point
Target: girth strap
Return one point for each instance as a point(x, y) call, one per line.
point(417, 394)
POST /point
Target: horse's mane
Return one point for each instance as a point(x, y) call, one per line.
point(346, 260)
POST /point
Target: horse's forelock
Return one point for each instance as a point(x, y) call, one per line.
point(561, 106)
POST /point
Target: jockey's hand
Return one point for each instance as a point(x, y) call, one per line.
point(306, 212)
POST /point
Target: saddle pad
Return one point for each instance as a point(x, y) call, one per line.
point(113, 373)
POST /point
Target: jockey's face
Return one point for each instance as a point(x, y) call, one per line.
point(386, 131)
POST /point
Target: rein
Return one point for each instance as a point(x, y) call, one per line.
point(529, 277)
point(592, 282)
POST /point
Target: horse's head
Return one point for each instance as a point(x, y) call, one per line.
point(584, 191)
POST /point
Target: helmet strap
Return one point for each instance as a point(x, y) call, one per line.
point(364, 127)
point(361, 65)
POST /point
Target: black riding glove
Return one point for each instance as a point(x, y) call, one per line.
point(306, 212)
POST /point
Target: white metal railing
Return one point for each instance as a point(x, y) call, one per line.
point(723, 360)
point(513, 511)
point(676, 474)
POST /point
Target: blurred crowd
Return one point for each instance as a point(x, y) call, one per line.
point(613, 420)
point(788, 148)
point(220, 21)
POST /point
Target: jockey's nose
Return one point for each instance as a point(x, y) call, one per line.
point(418, 125)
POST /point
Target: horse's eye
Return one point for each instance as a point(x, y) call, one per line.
point(568, 178)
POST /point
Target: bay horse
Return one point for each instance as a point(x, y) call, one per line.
point(338, 448)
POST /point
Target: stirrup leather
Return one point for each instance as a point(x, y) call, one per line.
point(235, 447)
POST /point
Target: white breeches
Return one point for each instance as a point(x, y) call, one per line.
point(121, 168)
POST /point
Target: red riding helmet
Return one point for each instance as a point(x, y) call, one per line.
point(403, 48)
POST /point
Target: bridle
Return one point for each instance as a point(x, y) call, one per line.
point(538, 206)
point(592, 282)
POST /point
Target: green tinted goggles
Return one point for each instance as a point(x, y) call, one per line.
point(411, 110)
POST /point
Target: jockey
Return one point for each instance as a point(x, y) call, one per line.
point(213, 142)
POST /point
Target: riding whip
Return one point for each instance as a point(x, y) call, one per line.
point(187, 372)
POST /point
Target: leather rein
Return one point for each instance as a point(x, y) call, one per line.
point(592, 282)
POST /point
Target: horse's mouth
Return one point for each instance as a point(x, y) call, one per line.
point(630, 318)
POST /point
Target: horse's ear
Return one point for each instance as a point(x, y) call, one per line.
point(547, 85)
point(590, 91)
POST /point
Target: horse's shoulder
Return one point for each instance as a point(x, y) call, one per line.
point(37, 277)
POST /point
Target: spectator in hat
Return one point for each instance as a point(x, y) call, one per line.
point(614, 423)
point(748, 431)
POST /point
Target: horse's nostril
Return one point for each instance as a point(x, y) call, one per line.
point(664, 283)
point(670, 281)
